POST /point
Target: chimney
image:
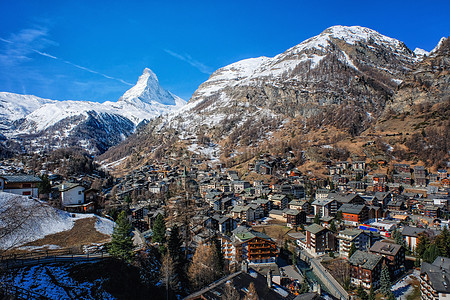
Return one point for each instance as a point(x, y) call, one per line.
point(244, 267)
point(269, 279)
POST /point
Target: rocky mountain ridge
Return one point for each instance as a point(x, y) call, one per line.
point(42, 124)
point(337, 82)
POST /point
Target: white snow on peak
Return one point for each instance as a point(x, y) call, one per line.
point(420, 52)
point(312, 51)
point(145, 101)
point(441, 41)
point(148, 90)
point(15, 106)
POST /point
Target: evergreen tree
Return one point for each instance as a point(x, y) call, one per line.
point(121, 243)
point(176, 254)
point(431, 253)
point(361, 293)
point(317, 219)
point(339, 216)
point(443, 242)
point(423, 241)
point(44, 186)
point(371, 294)
point(352, 250)
point(385, 281)
point(159, 230)
point(218, 256)
point(333, 227)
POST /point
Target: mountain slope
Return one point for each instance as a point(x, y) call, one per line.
point(341, 78)
point(94, 126)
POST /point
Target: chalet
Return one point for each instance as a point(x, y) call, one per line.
point(250, 246)
point(358, 165)
point(435, 279)
point(222, 224)
point(365, 269)
point(265, 204)
point(302, 205)
point(431, 211)
point(319, 240)
point(24, 185)
point(402, 168)
point(379, 182)
point(295, 217)
point(375, 213)
point(279, 201)
point(410, 234)
point(346, 198)
point(396, 206)
point(348, 237)
point(354, 214)
point(325, 207)
point(240, 186)
point(72, 198)
point(394, 256)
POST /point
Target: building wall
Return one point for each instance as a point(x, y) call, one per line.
point(33, 192)
point(73, 196)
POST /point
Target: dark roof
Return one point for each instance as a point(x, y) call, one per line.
point(351, 208)
point(21, 178)
point(438, 273)
point(314, 228)
point(366, 260)
point(241, 281)
point(385, 248)
point(412, 231)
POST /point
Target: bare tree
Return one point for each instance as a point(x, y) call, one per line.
point(230, 292)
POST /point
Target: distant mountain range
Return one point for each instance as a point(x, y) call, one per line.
point(36, 123)
point(343, 84)
point(340, 82)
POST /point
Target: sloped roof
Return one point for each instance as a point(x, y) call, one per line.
point(438, 273)
point(385, 248)
point(20, 178)
point(366, 260)
point(314, 228)
point(351, 208)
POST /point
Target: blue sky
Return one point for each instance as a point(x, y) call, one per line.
point(96, 50)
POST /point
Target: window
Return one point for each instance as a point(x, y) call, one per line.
point(26, 185)
point(79, 192)
point(28, 193)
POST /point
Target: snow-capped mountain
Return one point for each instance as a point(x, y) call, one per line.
point(342, 77)
point(353, 67)
point(95, 126)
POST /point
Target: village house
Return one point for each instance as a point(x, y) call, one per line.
point(365, 269)
point(302, 205)
point(325, 207)
point(295, 217)
point(394, 256)
point(279, 201)
point(248, 245)
point(348, 237)
point(72, 198)
point(24, 185)
point(411, 234)
point(319, 240)
point(354, 214)
point(435, 279)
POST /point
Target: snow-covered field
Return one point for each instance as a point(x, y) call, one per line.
point(53, 281)
point(403, 288)
point(23, 220)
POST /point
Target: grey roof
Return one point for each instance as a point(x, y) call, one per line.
point(67, 186)
point(385, 248)
point(351, 208)
point(366, 260)
point(412, 231)
point(438, 273)
point(21, 178)
point(351, 232)
point(293, 212)
point(322, 202)
point(314, 228)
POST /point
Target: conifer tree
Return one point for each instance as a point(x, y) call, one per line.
point(352, 250)
point(371, 294)
point(431, 253)
point(121, 243)
point(317, 219)
point(423, 241)
point(174, 246)
point(159, 230)
point(385, 281)
point(333, 227)
point(218, 256)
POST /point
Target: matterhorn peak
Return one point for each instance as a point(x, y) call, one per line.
point(148, 90)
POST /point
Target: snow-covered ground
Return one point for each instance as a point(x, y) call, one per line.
point(24, 220)
point(403, 288)
point(54, 282)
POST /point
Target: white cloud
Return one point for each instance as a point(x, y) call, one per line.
point(187, 58)
point(21, 46)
